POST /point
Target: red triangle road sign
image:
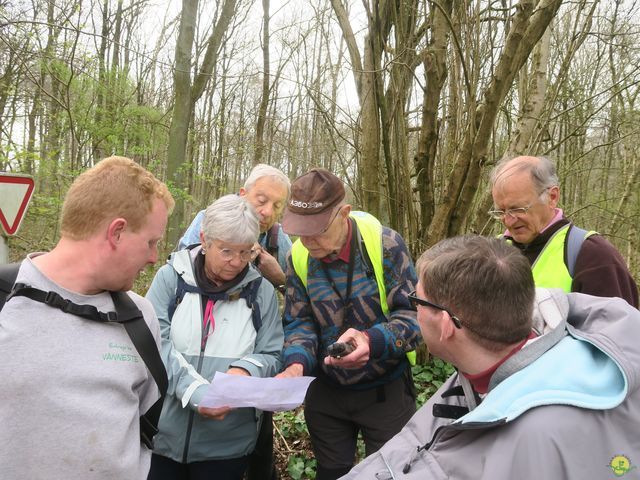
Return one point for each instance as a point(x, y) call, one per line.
point(15, 194)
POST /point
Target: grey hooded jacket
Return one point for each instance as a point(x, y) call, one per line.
point(567, 406)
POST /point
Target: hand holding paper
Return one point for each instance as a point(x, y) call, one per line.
point(271, 394)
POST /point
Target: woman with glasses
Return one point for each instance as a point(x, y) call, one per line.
point(216, 315)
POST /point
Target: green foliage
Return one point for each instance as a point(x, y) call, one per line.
point(291, 423)
point(39, 229)
point(292, 446)
point(293, 449)
point(429, 377)
point(178, 193)
point(301, 467)
point(103, 113)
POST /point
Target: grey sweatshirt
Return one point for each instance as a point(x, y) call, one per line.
point(71, 390)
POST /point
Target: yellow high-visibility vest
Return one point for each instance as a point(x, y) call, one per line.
point(371, 231)
point(549, 269)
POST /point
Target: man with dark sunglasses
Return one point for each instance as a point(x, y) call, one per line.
point(547, 382)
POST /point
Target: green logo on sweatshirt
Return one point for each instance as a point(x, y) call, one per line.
point(620, 465)
point(121, 353)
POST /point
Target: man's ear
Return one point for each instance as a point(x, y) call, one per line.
point(447, 328)
point(242, 192)
point(115, 230)
point(346, 210)
point(554, 196)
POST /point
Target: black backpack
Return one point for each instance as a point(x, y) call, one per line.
point(249, 292)
point(8, 275)
point(127, 313)
point(272, 240)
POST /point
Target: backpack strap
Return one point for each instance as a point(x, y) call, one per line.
point(129, 315)
point(370, 270)
point(180, 267)
point(575, 237)
point(8, 275)
point(250, 294)
point(145, 344)
point(181, 288)
point(453, 411)
point(55, 300)
point(272, 239)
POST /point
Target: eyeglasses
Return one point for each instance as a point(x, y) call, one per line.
point(415, 301)
point(512, 212)
point(515, 212)
point(228, 254)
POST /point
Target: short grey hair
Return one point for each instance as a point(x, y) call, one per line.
point(542, 171)
point(263, 170)
point(230, 219)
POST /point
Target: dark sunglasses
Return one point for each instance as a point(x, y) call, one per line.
point(415, 301)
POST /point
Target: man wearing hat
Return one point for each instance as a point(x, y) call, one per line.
point(348, 281)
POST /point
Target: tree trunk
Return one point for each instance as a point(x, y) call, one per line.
point(364, 72)
point(264, 101)
point(528, 25)
point(179, 128)
point(435, 68)
point(98, 117)
point(186, 96)
point(533, 102)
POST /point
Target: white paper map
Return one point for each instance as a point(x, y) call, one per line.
point(271, 394)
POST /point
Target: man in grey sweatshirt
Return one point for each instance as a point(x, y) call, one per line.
point(73, 389)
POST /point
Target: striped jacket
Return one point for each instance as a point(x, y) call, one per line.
point(314, 317)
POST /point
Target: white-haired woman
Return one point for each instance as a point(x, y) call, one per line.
point(216, 315)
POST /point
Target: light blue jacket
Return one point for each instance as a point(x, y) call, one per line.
point(184, 435)
point(192, 236)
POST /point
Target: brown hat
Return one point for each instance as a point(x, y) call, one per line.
point(315, 197)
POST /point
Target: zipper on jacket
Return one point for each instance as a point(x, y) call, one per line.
point(453, 426)
point(187, 439)
point(191, 416)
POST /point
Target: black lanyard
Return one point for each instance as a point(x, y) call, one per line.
point(352, 255)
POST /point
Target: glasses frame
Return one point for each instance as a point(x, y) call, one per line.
point(234, 253)
point(515, 212)
point(512, 212)
point(416, 300)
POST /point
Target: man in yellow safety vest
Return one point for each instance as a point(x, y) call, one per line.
point(348, 282)
point(525, 194)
